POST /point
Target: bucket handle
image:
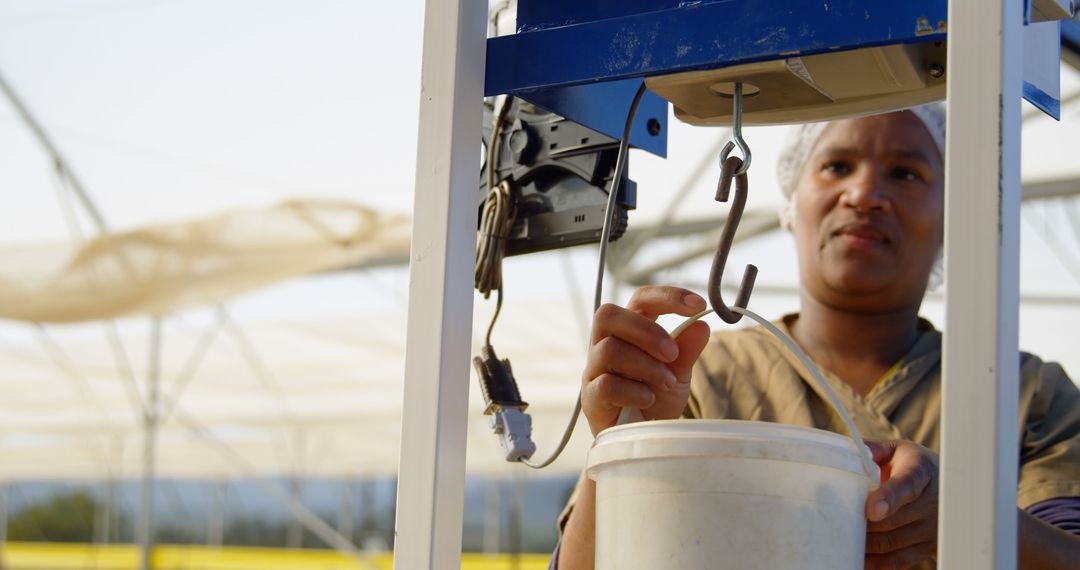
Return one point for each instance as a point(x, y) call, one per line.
point(869, 467)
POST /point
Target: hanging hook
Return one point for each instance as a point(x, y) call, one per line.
point(733, 168)
point(736, 133)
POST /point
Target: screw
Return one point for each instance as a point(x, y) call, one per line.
point(519, 139)
point(654, 127)
point(936, 71)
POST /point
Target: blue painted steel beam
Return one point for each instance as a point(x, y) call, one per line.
point(701, 35)
point(544, 14)
point(603, 106)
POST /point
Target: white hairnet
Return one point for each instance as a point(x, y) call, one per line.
point(801, 140)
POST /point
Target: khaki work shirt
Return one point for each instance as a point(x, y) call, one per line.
point(748, 374)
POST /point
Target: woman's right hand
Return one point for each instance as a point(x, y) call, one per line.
point(633, 362)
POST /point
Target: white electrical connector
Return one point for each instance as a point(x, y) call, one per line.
point(514, 429)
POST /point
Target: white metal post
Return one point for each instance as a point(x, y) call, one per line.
point(345, 511)
point(103, 513)
point(145, 528)
point(492, 507)
point(215, 526)
point(431, 484)
point(294, 535)
point(981, 354)
point(4, 499)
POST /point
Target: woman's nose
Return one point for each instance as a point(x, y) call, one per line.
point(865, 193)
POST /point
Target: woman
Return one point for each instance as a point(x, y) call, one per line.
point(868, 224)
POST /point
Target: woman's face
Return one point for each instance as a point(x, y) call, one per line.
point(869, 213)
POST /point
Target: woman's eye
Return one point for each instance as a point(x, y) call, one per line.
point(906, 175)
point(836, 167)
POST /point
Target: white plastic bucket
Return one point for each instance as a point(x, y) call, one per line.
point(727, 494)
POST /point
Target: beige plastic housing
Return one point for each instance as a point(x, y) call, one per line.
point(810, 88)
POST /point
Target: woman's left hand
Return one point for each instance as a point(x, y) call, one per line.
point(902, 514)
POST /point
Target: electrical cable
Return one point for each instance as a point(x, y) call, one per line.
point(496, 219)
point(605, 235)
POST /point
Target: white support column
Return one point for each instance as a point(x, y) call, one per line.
point(5, 515)
point(294, 535)
point(5, 506)
point(370, 533)
point(346, 511)
point(492, 516)
point(103, 512)
point(981, 360)
point(215, 525)
point(144, 531)
point(431, 470)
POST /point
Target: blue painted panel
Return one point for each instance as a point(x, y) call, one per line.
point(1042, 67)
point(701, 36)
point(1042, 101)
point(542, 14)
point(603, 107)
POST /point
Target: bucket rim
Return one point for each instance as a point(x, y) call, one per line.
point(720, 438)
point(730, 429)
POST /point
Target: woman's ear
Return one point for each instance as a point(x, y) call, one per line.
point(787, 213)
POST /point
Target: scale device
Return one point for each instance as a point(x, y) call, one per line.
point(551, 146)
point(836, 61)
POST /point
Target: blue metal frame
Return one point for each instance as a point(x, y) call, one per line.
point(1043, 56)
point(540, 15)
point(1042, 101)
point(584, 59)
point(700, 35)
point(603, 107)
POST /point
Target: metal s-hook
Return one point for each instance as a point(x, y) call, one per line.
point(736, 132)
point(732, 168)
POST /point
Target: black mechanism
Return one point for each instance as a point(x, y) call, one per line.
point(559, 172)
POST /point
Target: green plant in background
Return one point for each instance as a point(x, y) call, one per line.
point(62, 518)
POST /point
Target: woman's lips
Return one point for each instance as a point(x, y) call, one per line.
point(862, 236)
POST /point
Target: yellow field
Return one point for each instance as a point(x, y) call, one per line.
point(59, 556)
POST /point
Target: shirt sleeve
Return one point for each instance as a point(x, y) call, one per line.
point(1050, 434)
point(554, 564)
point(1063, 513)
point(564, 516)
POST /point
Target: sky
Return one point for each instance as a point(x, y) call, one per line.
point(170, 109)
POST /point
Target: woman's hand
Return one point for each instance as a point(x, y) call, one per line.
point(902, 514)
point(634, 363)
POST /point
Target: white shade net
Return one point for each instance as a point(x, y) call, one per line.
point(168, 267)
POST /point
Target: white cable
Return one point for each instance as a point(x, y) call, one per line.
point(605, 236)
point(864, 452)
